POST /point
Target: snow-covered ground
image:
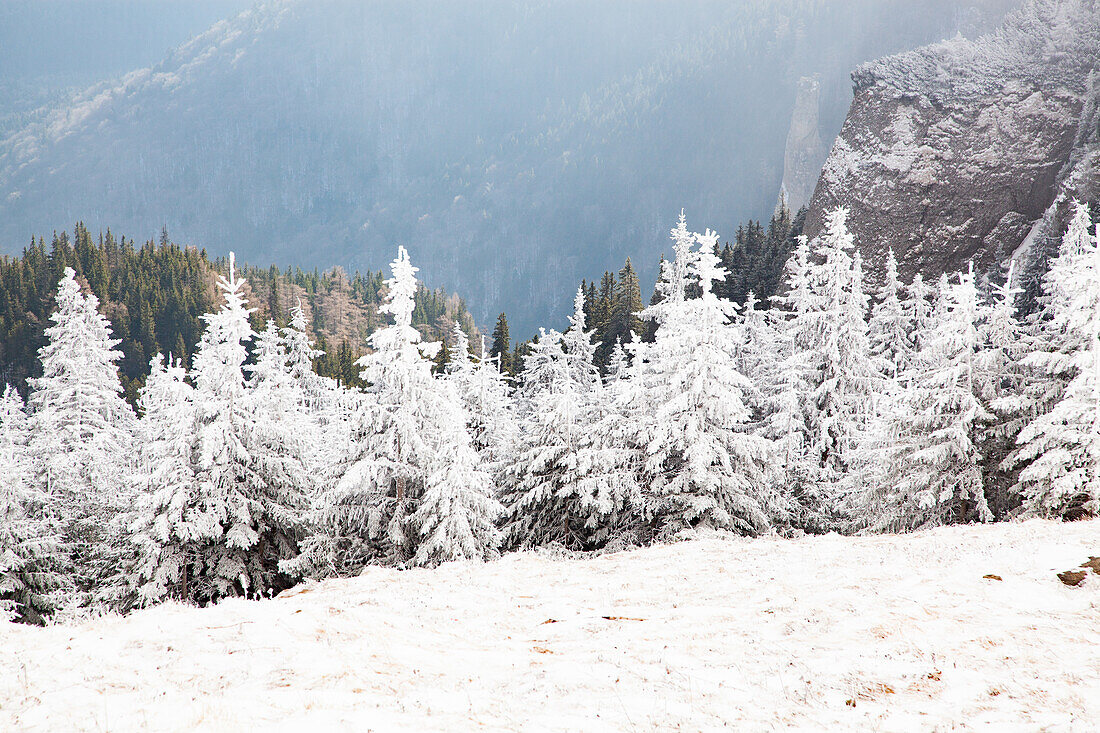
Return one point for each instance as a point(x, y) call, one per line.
point(889, 632)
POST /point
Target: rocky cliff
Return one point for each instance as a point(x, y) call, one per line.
point(805, 151)
point(972, 149)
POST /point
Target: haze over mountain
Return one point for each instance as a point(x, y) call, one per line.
point(513, 147)
point(50, 51)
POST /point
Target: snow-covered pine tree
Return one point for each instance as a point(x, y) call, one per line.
point(1049, 340)
point(283, 432)
point(30, 556)
point(325, 407)
point(372, 500)
point(890, 325)
point(457, 515)
point(1060, 449)
point(300, 354)
point(171, 523)
point(618, 363)
point(918, 308)
point(891, 354)
point(795, 471)
point(935, 471)
point(756, 354)
point(396, 468)
point(1000, 378)
point(484, 392)
point(786, 424)
point(702, 466)
point(81, 435)
point(844, 378)
point(570, 479)
point(244, 478)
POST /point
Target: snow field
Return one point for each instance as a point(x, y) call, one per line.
point(871, 633)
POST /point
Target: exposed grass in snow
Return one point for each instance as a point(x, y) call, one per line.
point(749, 634)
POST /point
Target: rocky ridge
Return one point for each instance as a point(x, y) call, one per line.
point(972, 149)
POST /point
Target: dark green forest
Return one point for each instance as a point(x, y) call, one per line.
point(155, 292)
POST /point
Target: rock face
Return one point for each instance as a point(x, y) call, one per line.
point(972, 150)
point(805, 151)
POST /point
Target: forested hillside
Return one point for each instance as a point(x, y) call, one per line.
point(515, 147)
point(153, 293)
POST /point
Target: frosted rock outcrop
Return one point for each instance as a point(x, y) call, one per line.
point(971, 149)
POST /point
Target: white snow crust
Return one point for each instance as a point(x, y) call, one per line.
point(872, 633)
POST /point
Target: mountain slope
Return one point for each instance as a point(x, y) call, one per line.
point(816, 633)
point(972, 150)
point(514, 147)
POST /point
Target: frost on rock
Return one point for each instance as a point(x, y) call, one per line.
point(951, 153)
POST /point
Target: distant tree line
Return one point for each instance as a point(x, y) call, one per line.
point(155, 292)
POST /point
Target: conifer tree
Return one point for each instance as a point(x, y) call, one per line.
point(787, 424)
point(889, 327)
point(1059, 447)
point(244, 478)
point(626, 306)
point(401, 495)
point(485, 396)
point(918, 309)
point(702, 467)
point(825, 328)
point(568, 481)
point(171, 524)
point(81, 436)
point(935, 471)
point(30, 555)
point(499, 349)
point(844, 379)
point(1001, 377)
point(457, 515)
point(1049, 339)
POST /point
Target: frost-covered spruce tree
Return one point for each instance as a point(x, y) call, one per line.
point(396, 465)
point(325, 408)
point(457, 515)
point(1060, 449)
point(1000, 378)
point(935, 471)
point(787, 422)
point(795, 469)
point(891, 353)
point(1051, 339)
point(283, 431)
point(702, 466)
point(756, 354)
point(244, 478)
point(844, 377)
point(823, 321)
point(81, 437)
point(918, 308)
point(300, 354)
point(30, 559)
point(890, 325)
point(171, 523)
point(568, 483)
point(485, 395)
point(367, 510)
point(618, 363)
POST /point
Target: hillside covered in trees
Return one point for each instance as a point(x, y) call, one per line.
point(153, 293)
